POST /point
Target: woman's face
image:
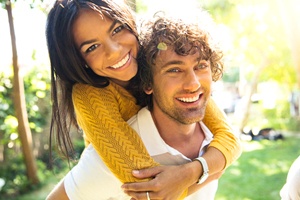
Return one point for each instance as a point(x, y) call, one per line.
point(107, 46)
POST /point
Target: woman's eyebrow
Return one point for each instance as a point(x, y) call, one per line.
point(111, 27)
point(86, 42)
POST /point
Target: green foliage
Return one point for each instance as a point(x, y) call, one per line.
point(231, 75)
point(8, 122)
point(14, 172)
point(257, 44)
point(37, 87)
point(37, 92)
point(276, 115)
point(279, 117)
point(31, 3)
point(218, 8)
point(140, 6)
point(16, 182)
point(258, 38)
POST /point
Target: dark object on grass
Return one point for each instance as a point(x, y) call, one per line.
point(266, 133)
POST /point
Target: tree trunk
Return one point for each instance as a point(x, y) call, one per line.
point(20, 107)
point(253, 87)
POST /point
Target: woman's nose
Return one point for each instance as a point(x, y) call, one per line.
point(113, 49)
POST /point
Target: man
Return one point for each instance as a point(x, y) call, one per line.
point(180, 65)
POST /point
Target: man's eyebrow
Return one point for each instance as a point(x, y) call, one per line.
point(176, 62)
point(172, 62)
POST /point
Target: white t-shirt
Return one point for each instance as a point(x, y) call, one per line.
point(90, 179)
point(291, 189)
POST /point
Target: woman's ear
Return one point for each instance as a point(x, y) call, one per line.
point(148, 90)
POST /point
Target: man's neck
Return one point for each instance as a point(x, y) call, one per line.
point(186, 138)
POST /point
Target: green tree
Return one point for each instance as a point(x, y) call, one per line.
point(132, 4)
point(290, 14)
point(259, 45)
point(20, 104)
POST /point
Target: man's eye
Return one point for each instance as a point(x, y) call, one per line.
point(173, 70)
point(91, 48)
point(203, 64)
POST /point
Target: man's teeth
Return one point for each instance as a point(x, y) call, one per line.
point(188, 100)
point(121, 63)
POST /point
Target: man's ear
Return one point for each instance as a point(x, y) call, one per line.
point(148, 90)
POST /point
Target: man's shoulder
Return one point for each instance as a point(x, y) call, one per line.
point(133, 121)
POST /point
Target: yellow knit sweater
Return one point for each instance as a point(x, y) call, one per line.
point(102, 114)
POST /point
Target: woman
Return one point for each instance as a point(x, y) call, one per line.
point(91, 69)
point(291, 189)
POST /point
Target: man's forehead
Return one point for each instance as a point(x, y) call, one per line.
point(166, 52)
point(169, 57)
point(163, 56)
point(169, 54)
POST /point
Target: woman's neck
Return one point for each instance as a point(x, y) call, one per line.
point(123, 84)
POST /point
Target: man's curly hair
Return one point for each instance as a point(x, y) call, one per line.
point(184, 38)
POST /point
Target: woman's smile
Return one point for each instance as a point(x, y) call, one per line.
point(122, 62)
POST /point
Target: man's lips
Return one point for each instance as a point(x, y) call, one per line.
point(189, 99)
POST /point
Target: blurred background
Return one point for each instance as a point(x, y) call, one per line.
point(259, 91)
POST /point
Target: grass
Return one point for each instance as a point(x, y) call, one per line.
point(261, 170)
point(258, 174)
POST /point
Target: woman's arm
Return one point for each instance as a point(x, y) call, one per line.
point(224, 139)
point(163, 187)
point(102, 114)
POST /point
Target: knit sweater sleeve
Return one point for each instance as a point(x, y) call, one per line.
point(224, 139)
point(102, 114)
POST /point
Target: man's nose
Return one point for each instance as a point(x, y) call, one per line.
point(191, 81)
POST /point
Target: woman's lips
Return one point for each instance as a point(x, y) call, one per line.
point(121, 63)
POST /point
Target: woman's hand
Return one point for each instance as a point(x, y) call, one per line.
point(169, 182)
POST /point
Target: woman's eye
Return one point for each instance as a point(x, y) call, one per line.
point(91, 48)
point(118, 29)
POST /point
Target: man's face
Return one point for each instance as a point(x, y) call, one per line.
point(181, 86)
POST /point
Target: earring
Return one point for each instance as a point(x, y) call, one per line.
point(86, 66)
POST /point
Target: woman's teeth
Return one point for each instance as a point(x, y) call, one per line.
point(188, 100)
point(121, 63)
